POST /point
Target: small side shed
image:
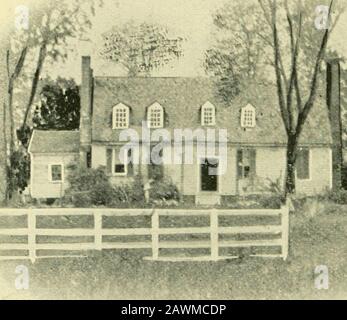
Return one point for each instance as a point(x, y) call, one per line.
point(51, 154)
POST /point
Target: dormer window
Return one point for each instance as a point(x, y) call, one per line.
point(155, 116)
point(208, 114)
point(120, 116)
point(248, 116)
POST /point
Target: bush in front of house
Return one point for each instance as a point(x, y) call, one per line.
point(89, 187)
point(131, 194)
point(164, 189)
point(336, 196)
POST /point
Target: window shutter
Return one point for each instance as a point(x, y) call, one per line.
point(109, 161)
point(130, 163)
point(302, 164)
point(253, 162)
point(239, 164)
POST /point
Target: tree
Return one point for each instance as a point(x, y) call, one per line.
point(238, 53)
point(60, 106)
point(51, 24)
point(297, 50)
point(140, 48)
point(55, 23)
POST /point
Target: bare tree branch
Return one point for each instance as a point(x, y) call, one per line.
point(308, 106)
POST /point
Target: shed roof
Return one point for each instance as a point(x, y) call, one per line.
point(51, 141)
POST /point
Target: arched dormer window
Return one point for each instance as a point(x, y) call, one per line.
point(155, 116)
point(120, 116)
point(248, 116)
point(208, 114)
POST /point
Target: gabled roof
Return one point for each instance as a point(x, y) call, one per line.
point(54, 141)
point(182, 99)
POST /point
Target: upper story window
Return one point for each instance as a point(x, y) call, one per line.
point(208, 114)
point(155, 116)
point(120, 116)
point(248, 116)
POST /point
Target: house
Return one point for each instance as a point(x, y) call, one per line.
point(51, 154)
point(254, 137)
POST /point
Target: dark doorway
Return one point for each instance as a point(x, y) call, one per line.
point(208, 173)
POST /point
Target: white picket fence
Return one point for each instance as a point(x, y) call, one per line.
point(98, 231)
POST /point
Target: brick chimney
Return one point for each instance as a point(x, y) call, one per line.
point(334, 107)
point(86, 112)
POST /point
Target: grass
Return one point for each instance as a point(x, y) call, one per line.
point(319, 240)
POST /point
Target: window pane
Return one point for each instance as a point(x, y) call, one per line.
point(302, 164)
point(56, 172)
point(120, 117)
point(119, 168)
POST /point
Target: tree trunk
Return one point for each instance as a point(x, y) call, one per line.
point(40, 62)
point(291, 159)
point(6, 164)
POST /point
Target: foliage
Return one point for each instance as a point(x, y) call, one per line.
point(60, 106)
point(238, 52)
point(336, 196)
point(164, 189)
point(18, 173)
point(89, 187)
point(140, 48)
point(52, 24)
point(131, 194)
point(255, 201)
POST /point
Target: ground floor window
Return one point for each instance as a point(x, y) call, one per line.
point(209, 174)
point(119, 167)
point(303, 164)
point(56, 172)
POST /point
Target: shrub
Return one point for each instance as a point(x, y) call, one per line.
point(164, 189)
point(338, 196)
point(89, 187)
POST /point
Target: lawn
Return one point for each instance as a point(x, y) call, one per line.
point(321, 240)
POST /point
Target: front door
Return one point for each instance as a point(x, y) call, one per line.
point(209, 175)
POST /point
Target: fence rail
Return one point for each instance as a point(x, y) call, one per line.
point(98, 232)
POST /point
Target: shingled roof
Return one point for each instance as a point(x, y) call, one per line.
point(54, 142)
point(182, 99)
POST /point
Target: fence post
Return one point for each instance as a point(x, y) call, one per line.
point(32, 235)
point(214, 234)
point(98, 230)
point(285, 231)
point(155, 235)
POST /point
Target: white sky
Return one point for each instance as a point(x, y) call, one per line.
point(191, 19)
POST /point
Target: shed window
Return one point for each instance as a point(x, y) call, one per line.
point(248, 116)
point(120, 116)
point(56, 172)
point(208, 114)
point(155, 116)
point(303, 164)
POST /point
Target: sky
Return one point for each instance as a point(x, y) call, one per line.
point(190, 19)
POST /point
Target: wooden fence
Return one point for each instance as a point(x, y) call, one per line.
point(276, 234)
